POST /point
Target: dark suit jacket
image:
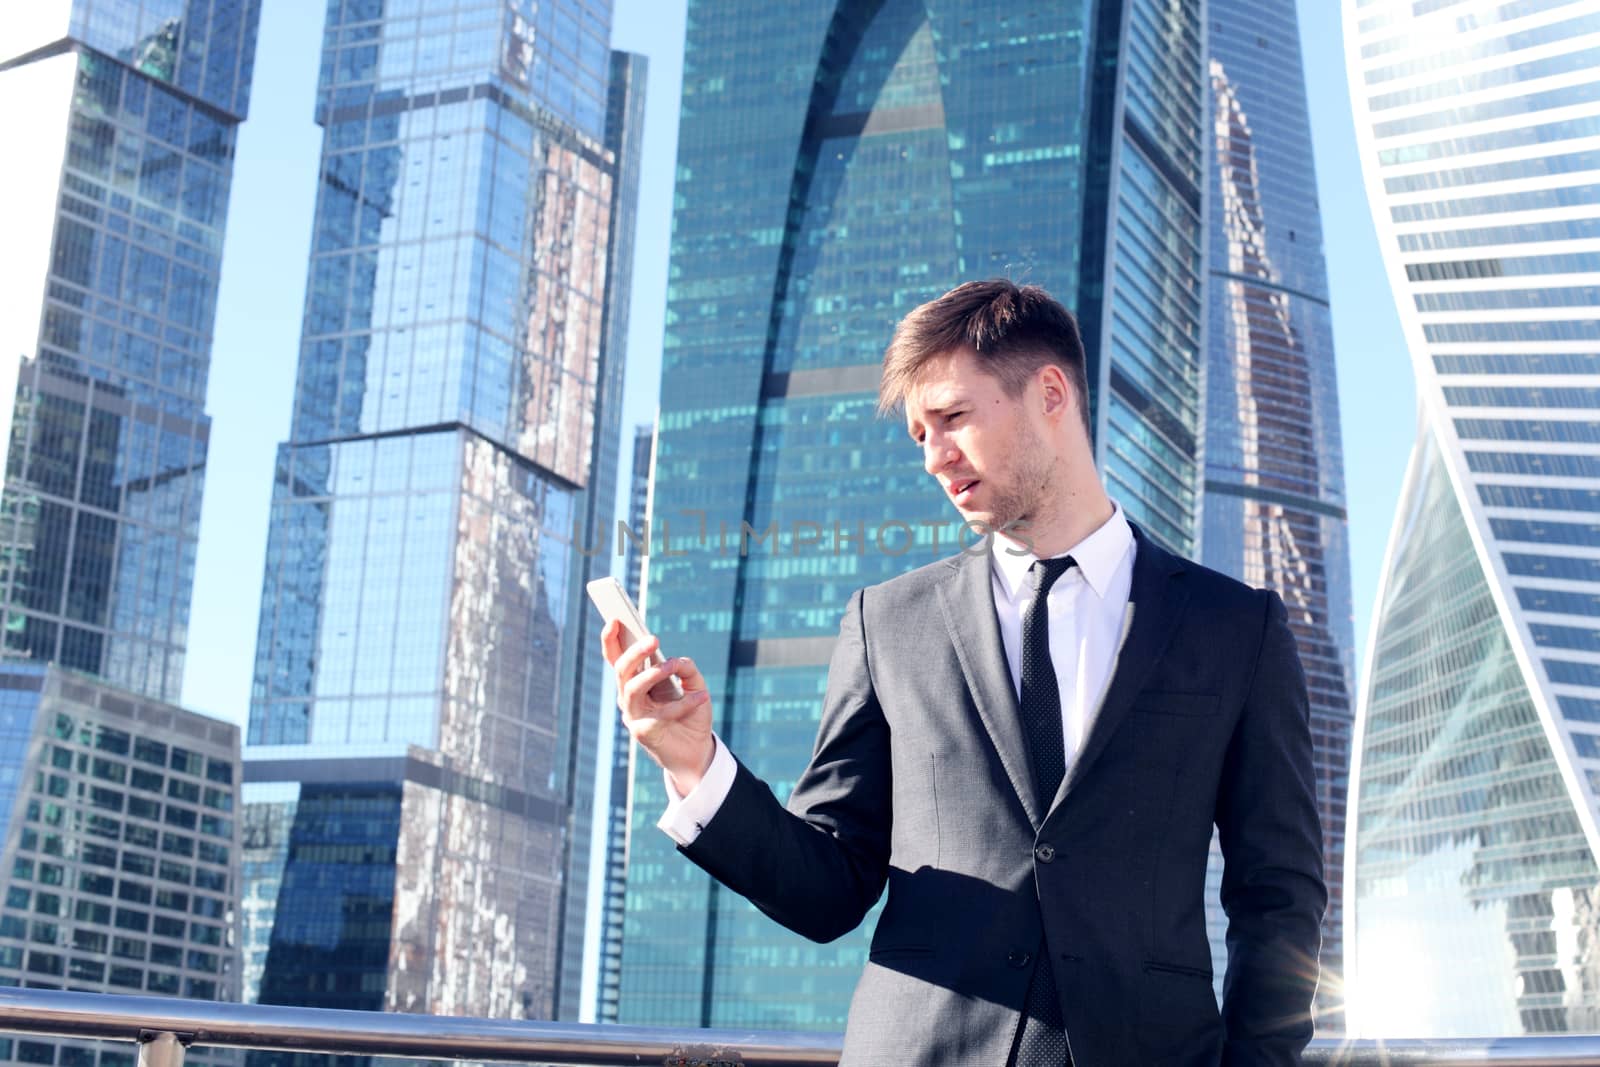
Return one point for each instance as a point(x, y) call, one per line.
point(920, 780)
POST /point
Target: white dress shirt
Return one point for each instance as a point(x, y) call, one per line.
point(1086, 605)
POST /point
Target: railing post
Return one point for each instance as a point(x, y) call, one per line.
point(161, 1049)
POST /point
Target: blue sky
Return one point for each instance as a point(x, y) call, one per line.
point(263, 285)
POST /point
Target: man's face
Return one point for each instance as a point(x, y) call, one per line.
point(988, 451)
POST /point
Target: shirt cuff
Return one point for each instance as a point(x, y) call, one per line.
point(686, 816)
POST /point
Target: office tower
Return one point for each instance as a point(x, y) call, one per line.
point(1472, 886)
point(407, 771)
point(614, 892)
point(584, 667)
point(126, 115)
point(121, 852)
point(839, 164)
point(1274, 472)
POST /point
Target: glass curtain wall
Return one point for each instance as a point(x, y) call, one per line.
point(839, 165)
point(1477, 746)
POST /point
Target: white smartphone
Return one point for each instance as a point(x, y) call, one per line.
point(615, 603)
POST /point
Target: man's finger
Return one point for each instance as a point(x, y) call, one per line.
point(633, 658)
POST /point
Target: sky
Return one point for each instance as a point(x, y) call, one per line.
point(257, 331)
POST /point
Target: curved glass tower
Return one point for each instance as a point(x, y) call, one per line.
point(1275, 501)
point(1471, 879)
point(839, 164)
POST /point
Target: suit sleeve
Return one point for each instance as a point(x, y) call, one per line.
point(1272, 885)
point(818, 866)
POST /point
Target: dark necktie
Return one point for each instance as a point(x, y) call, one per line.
point(1042, 1037)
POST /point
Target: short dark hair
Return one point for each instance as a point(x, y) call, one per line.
point(1013, 330)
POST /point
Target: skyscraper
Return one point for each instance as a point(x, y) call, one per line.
point(1473, 899)
point(839, 164)
point(127, 115)
point(408, 764)
point(1275, 502)
point(614, 893)
point(120, 850)
point(584, 667)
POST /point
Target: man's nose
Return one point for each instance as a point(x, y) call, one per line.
point(937, 453)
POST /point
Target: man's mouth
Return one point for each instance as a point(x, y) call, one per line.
point(961, 490)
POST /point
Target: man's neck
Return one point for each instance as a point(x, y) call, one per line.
point(1076, 516)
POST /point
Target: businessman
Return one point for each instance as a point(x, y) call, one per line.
point(1030, 747)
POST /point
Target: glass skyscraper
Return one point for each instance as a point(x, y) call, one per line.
point(839, 164)
point(120, 851)
point(1473, 899)
point(409, 774)
point(1274, 473)
point(126, 115)
point(614, 892)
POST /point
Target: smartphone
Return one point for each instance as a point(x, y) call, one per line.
point(615, 603)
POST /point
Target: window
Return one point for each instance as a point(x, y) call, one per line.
point(89, 941)
point(147, 751)
point(169, 927)
point(145, 809)
point(137, 863)
point(213, 853)
point(166, 955)
point(108, 770)
point(127, 948)
point(45, 963)
point(98, 856)
point(109, 740)
point(200, 989)
point(143, 836)
point(216, 881)
point(176, 872)
point(98, 884)
point(47, 903)
point(159, 982)
point(137, 892)
point(128, 919)
point(183, 818)
point(186, 761)
point(172, 900)
point(87, 911)
point(86, 971)
point(127, 977)
point(219, 771)
point(149, 781)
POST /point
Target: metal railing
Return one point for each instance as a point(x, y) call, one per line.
point(165, 1027)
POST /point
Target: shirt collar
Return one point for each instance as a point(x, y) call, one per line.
point(1097, 556)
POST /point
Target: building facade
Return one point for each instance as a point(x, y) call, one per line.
point(120, 851)
point(614, 891)
point(1471, 878)
point(1274, 473)
point(126, 115)
point(839, 164)
point(409, 772)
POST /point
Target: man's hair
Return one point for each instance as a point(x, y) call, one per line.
point(1012, 330)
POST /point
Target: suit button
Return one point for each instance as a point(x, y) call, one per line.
point(1045, 853)
point(1018, 960)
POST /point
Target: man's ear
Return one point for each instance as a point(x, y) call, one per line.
point(1059, 398)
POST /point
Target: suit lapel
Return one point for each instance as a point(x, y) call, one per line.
point(1155, 606)
point(967, 600)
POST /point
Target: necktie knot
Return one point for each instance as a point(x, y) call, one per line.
point(1046, 571)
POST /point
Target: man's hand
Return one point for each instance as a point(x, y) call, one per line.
point(674, 730)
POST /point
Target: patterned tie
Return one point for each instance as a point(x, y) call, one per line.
point(1042, 1036)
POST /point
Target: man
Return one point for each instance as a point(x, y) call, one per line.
point(1030, 746)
